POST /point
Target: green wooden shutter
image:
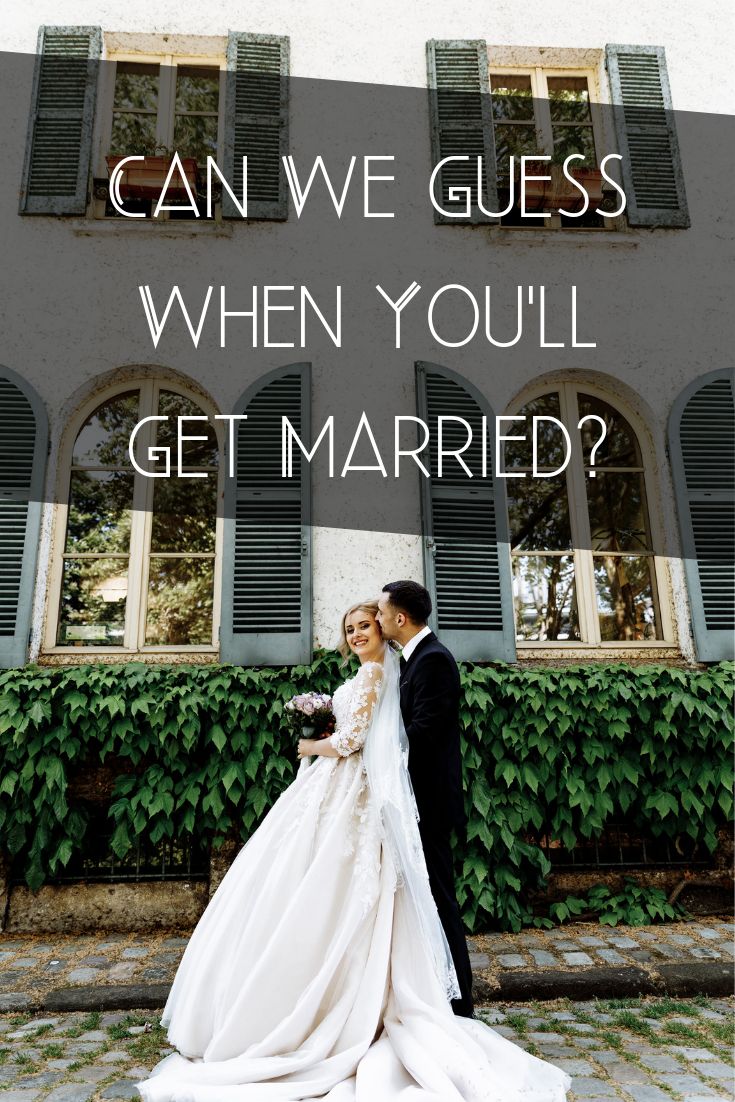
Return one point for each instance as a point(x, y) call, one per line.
point(461, 122)
point(702, 448)
point(466, 548)
point(256, 123)
point(266, 595)
point(59, 145)
point(23, 444)
point(646, 132)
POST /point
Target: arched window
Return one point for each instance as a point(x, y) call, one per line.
point(582, 550)
point(136, 565)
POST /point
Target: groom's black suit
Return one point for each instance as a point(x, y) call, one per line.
point(430, 707)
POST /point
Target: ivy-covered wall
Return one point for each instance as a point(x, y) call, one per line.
point(201, 751)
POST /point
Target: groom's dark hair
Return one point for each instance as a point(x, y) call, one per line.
point(411, 599)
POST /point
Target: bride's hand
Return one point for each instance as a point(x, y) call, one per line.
point(305, 748)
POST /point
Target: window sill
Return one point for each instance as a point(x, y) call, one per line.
point(511, 235)
point(104, 657)
point(561, 653)
point(105, 227)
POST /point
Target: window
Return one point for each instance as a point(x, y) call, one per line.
point(543, 112)
point(137, 567)
point(160, 106)
point(582, 552)
point(530, 100)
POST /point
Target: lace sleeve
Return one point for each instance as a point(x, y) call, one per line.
point(350, 736)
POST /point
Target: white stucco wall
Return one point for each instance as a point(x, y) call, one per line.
point(377, 43)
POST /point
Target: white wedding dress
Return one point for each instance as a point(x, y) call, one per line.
point(309, 975)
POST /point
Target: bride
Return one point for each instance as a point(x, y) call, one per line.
point(320, 969)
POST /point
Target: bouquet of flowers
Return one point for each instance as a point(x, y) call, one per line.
point(310, 715)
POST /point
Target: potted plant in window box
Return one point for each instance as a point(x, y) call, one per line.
point(145, 179)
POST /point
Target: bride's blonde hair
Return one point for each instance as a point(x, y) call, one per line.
point(370, 606)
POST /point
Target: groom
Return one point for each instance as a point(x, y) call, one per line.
point(430, 708)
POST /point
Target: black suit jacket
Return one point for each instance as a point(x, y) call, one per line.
point(430, 691)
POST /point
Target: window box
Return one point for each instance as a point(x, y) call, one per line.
point(145, 179)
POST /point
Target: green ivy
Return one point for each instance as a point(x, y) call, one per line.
point(201, 750)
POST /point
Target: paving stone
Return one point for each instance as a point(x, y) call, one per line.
point(549, 1038)
point(693, 1053)
point(647, 935)
point(114, 1057)
point(576, 1067)
point(124, 1088)
point(79, 1048)
point(591, 940)
point(622, 942)
point(70, 1092)
point(681, 939)
point(8, 1074)
point(647, 1092)
point(491, 1016)
point(155, 975)
point(716, 1070)
point(38, 1023)
point(587, 1086)
point(707, 932)
point(83, 975)
point(175, 942)
point(477, 960)
point(511, 960)
point(566, 946)
point(5, 955)
point(137, 1073)
point(123, 970)
point(640, 955)
point(611, 956)
point(134, 954)
point(60, 1065)
point(622, 1073)
point(562, 1016)
point(543, 956)
point(93, 1073)
point(668, 951)
point(582, 1027)
point(711, 1015)
point(704, 953)
point(113, 1018)
point(685, 1084)
point(25, 962)
point(93, 1035)
point(577, 958)
point(94, 962)
point(706, 1098)
point(45, 1079)
point(725, 948)
point(21, 1096)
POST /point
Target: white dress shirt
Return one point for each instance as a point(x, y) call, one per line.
point(411, 645)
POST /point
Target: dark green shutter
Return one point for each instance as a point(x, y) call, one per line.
point(646, 132)
point(461, 122)
point(466, 549)
point(59, 146)
point(256, 123)
point(266, 595)
point(702, 447)
point(23, 444)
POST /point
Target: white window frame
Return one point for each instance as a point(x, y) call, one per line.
point(140, 529)
point(539, 75)
point(168, 64)
point(581, 549)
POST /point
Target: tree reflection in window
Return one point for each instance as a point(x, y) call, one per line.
point(601, 545)
point(139, 553)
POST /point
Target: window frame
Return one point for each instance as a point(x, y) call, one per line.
point(139, 553)
point(539, 75)
point(583, 556)
point(167, 63)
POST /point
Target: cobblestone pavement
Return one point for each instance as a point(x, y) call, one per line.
point(633, 1050)
point(32, 966)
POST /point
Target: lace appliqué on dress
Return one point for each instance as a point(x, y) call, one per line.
point(353, 708)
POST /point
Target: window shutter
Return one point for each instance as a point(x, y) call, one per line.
point(266, 600)
point(23, 445)
point(256, 123)
point(461, 124)
point(702, 446)
point(646, 130)
point(466, 549)
point(59, 145)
